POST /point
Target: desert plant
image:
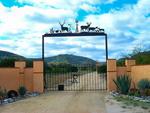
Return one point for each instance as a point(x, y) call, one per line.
point(132, 91)
point(123, 83)
point(22, 90)
point(144, 84)
point(144, 87)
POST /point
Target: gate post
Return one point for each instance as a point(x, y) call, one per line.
point(129, 63)
point(21, 65)
point(111, 74)
point(38, 80)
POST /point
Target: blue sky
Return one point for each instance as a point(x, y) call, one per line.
point(22, 22)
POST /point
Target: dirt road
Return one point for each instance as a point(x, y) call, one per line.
point(59, 102)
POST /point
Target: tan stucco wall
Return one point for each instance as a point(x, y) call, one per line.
point(140, 72)
point(9, 78)
point(137, 72)
point(121, 71)
point(111, 74)
point(29, 79)
point(38, 80)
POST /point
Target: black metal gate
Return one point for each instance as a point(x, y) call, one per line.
point(74, 78)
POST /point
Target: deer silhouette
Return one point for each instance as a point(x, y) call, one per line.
point(63, 28)
point(85, 27)
point(99, 29)
point(92, 28)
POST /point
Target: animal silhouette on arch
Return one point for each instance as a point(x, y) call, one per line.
point(63, 28)
point(85, 27)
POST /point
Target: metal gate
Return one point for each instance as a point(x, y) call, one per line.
point(74, 78)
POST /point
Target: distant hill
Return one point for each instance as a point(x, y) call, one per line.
point(5, 54)
point(70, 59)
point(63, 58)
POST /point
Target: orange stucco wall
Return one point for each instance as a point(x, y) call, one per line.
point(137, 72)
point(28, 80)
point(31, 78)
point(9, 78)
point(140, 72)
point(111, 74)
point(121, 71)
point(38, 84)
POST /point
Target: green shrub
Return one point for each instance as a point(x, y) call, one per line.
point(123, 83)
point(144, 87)
point(22, 90)
point(144, 84)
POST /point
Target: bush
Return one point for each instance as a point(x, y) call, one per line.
point(123, 83)
point(144, 84)
point(22, 90)
point(132, 91)
point(144, 87)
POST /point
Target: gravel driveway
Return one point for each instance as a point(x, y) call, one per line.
point(59, 102)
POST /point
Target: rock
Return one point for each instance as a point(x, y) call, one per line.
point(5, 101)
point(10, 100)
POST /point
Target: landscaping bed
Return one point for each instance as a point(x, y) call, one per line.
point(143, 102)
point(13, 96)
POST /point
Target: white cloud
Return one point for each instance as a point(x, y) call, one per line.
point(89, 8)
point(23, 26)
point(129, 23)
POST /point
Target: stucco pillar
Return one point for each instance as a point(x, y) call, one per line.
point(21, 65)
point(111, 74)
point(129, 63)
point(38, 81)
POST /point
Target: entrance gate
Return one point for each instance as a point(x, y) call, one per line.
point(74, 77)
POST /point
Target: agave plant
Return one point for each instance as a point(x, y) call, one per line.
point(123, 83)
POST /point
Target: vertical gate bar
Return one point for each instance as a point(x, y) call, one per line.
point(55, 79)
point(43, 61)
point(88, 66)
point(88, 71)
point(89, 77)
point(71, 79)
point(89, 74)
point(103, 81)
point(95, 81)
point(63, 78)
point(76, 79)
point(106, 43)
point(86, 78)
point(92, 80)
point(49, 79)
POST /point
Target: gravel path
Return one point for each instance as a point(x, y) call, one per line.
point(59, 102)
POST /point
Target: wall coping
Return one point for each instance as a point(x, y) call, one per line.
point(111, 59)
point(9, 68)
point(142, 65)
